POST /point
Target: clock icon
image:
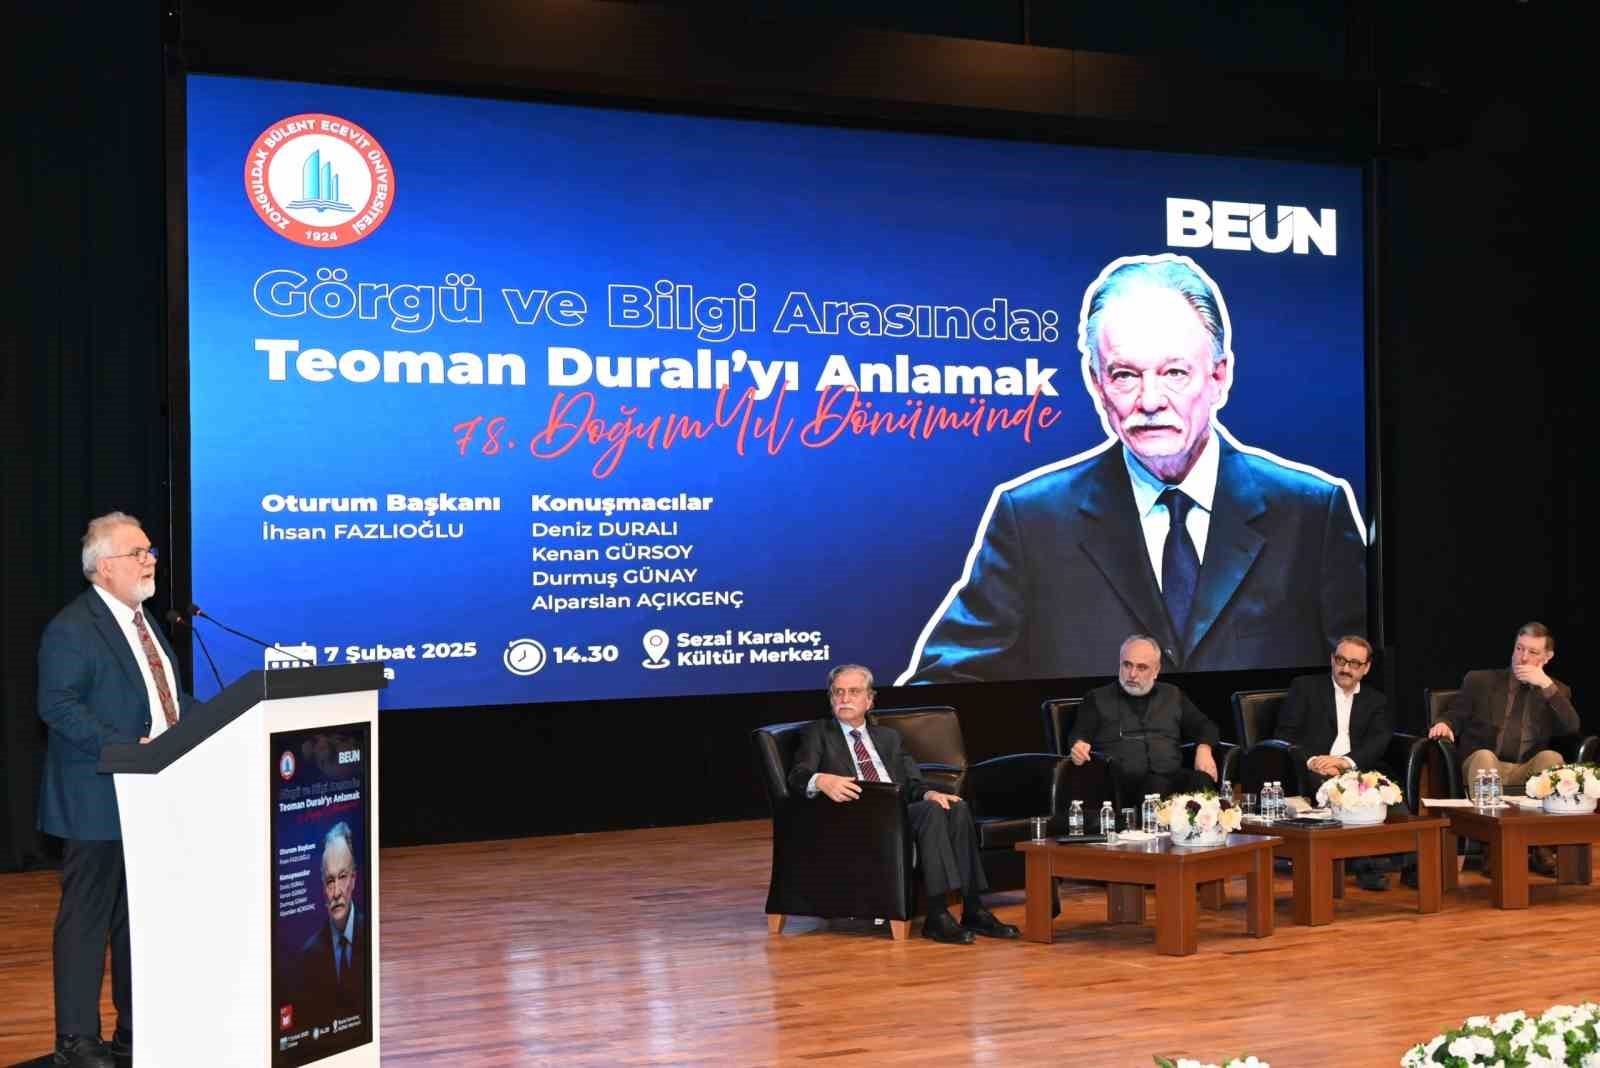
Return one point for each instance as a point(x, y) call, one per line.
point(524, 656)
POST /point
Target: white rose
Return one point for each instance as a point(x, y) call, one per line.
point(1538, 787)
point(1567, 772)
point(1506, 1021)
point(1567, 787)
point(1556, 1048)
point(1231, 819)
point(1206, 818)
point(1475, 1021)
point(1591, 1060)
point(1591, 786)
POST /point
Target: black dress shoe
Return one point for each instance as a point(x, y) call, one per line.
point(82, 1051)
point(1372, 879)
point(942, 927)
point(981, 921)
point(1542, 861)
point(121, 1044)
point(1409, 877)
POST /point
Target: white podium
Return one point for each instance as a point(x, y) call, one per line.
point(205, 885)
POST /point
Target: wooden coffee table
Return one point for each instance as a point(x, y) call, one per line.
point(1318, 855)
point(1176, 874)
point(1507, 834)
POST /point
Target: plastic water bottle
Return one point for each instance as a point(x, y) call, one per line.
point(1149, 822)
point(1494, 788)
point(1108, 820)
point(1269, 801)
point(1075, 818)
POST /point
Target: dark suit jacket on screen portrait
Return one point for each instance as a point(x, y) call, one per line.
point(91, 694)
point(1063, 575)
point(314, 988)
point(1310, 721)
point(822, 749)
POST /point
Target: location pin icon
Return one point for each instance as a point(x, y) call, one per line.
point(655, 647)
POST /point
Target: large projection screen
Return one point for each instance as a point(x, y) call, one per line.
point(542, 402)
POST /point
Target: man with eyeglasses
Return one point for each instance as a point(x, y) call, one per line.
point(1142, 724)
point(1343, 724)
point(1231, 557)
point(105, 675)
point(837, 754)
point(1506, 719)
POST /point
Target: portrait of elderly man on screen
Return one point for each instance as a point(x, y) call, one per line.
point(1230, 556)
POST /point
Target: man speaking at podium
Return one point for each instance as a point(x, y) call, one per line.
point(105, 676)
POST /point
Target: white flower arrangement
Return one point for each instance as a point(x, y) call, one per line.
point(1359, 790)
point(1563, 1035)
point(1568, 781)
point(1237, 1062)
point(1198, 815)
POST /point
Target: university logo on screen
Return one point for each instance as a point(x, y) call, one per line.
point(1234, 226)
point(319, 180)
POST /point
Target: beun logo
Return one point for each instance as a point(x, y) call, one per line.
point(1236, 227)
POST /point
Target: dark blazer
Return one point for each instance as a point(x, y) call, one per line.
point(1478, 711)
point(314, 988)
point(1308, 720)
point(1062, 576)
point(1106, 718)
point(823, 749)
point(90, 694)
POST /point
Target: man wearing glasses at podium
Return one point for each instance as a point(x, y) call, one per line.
point(105, 676)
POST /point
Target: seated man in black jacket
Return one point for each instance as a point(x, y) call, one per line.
point(1343, 725)
point(838, 752)
point(1140, 724)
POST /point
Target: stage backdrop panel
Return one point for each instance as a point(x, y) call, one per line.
point(542, 402)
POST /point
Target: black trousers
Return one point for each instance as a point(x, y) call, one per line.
point(947, 850)
point(94, 910)
point(1134, 785)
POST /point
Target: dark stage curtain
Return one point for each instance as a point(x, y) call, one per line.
point(83, 382)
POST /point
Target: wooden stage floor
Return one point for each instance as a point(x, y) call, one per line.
point(650, 947)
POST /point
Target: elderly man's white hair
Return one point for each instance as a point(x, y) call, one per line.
point(97, 539)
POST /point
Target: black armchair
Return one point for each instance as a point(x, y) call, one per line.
point(1004, 791)
point(1574, 748)
point(834, 860)
point(1264, 758)
point(1095, 780)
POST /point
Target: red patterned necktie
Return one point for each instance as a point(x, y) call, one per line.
point(157, 672)
point(869, 770)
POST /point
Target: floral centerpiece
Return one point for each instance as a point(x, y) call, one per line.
point(1359, 796)
point(1202, 819)
point(1237, 1062)
point(1563, 1035)
point(1569, 789)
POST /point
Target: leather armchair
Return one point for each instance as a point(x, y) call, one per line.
point(1263, 757)
point(834, 860)
point(1058, 715)
point(1574, 748)
point(1004, 791)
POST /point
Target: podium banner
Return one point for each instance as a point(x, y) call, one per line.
point(322, 963)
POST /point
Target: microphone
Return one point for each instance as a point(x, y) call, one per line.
point(200, 613)
point(174, 616)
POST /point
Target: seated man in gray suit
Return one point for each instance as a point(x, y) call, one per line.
point(1140, 724)
point(1505, 718)
point(837, 753)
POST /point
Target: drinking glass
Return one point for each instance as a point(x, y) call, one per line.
point(1251, 804)
point(1225, 791)
point(1041, 828)
point(1129, 818)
